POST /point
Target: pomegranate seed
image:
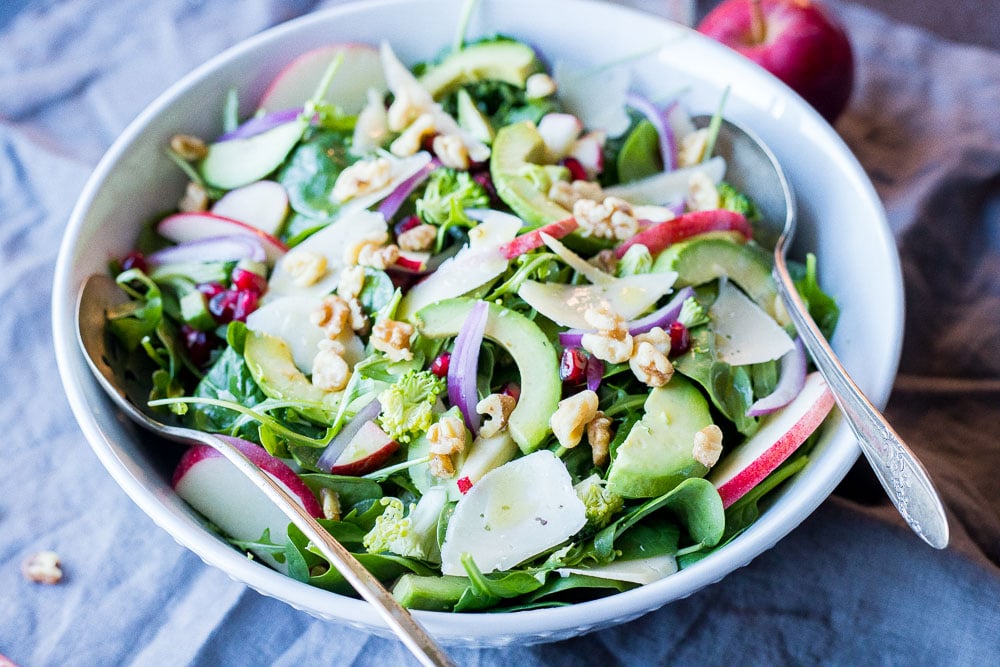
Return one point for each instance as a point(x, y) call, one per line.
point(221, 306)
point(406, 224)
point(573, 365)
point(197, 343)
point(249, 281)
point(464, 484)
point(134, 260)
point(244, 304)
point(513, 390)
point(440, 364)
point(211, 289)
point(680, 338)
point(576, 170)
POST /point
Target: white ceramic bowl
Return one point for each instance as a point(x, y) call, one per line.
point(841, 219)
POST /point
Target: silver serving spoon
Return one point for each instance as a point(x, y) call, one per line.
point(752, 168)
point(97, 295)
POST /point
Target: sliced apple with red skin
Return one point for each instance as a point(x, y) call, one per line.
point(533, 240)
point(664, 234)
point(360, 70)
point(213, 486)
point(368, 450)
point(588, 150)
point(186, 227)
point(412, 261)
point(262, 204)
point(780, 434)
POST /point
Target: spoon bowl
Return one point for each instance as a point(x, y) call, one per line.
point(753, 168)
point(98, 294)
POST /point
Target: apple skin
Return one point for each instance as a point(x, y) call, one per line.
point(804, 46)
point(664, 234)
point(780, 434)
point(368, 450)
point(194, 226)
point(532, 240)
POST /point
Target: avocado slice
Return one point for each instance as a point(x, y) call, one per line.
point(270, 362)
point(706, 258)
point(656, 455)
point(515, 147)
point(509, 61)
point(534, 355)
point(472, 120)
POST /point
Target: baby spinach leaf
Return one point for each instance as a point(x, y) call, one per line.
point(640, 154)
point(350, 490)
point(311, 171)
point(486, 591)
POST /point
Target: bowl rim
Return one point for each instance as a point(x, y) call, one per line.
point(541, 624)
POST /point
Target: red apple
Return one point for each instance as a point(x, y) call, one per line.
point(779, 435)
point(187, 227)
point(262, 204)
point(360, 70)
point(209, 483)
point(367, 451)
point(533, 239)
point(664, 234)
point(799, 41)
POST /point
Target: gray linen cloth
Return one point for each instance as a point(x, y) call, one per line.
point(850, 586)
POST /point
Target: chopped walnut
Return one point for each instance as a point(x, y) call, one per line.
point(189, 147)
point(539, 85)
point(605, 260)
point(611, 219)
point(446, 436)
point(393, 338)
point(498, 407)
point(412, 138)
point(650, 365)
point(421, 237)
point(359, 320)
point(572, 416)
point(451, 151)
point(402, 111)
point(353, 250)
point(329, 501)
point(304, 266)
point(707, 445)
point(329, 371)
point(332, 315)
point(692, 148)
point(599, 437)
point(362, 177)
point(441, 465)
point(378, 257)
point(612, 342)
point(351, 282)
point(195, 198)
point(43, 567)
point(702, 193)
point(656, 336)
point(567, 194)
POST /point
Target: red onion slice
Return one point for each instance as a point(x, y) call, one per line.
point(595, 373)
point(229, 248)
point(260, 124)
point(390, 205)
point(661, 317)
point(668, 144)
point(464, 363)
point(340, 441)
point(791, 378)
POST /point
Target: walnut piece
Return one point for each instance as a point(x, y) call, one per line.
point(572, 416)
point(304, 266)
point(412, 138)
point(43, 567)
point(568, 194)
point(332, 315)
point(599, 437)
point(650, 365)
point(329, 371)
point(417, 239)
point(498, 407)
point(392, 338)
point(189, 147)
point(612, 342)
point(361, 178)
point(707, 445)
point(451, 151)
point(329, 500)
point(195, 198)
point(446, 436)
point(702, 194)
point(611, 219)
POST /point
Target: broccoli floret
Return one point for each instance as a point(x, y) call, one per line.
point(448, 193)
point(407, 406)
point(692, 313)
point(732, 199)
point(601, 503)
point(413, 535)
point(635, 260)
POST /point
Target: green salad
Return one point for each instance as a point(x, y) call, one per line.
point(501, 327)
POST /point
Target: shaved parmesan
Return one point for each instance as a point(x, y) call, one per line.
point(513, 513)
point(288, 318)
point(565, 305)
point(636, 570)
point(744, 333)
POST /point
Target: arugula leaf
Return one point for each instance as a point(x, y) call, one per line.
point(486, 591)
point(822, 307)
